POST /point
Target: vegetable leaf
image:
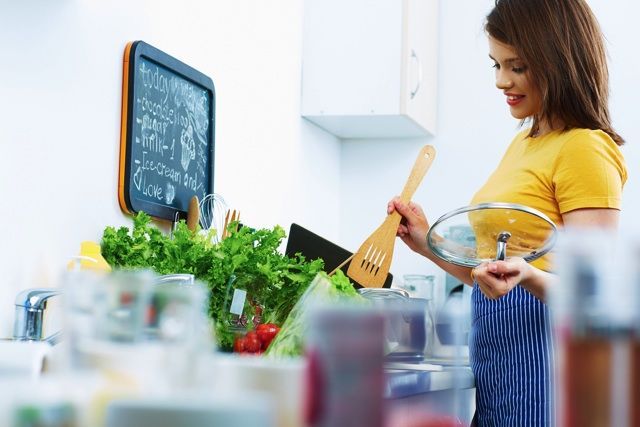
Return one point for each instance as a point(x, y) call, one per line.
point(248, 259)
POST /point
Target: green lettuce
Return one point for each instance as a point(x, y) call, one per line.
point(248, 259)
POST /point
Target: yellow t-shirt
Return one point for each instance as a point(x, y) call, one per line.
point(557, 173)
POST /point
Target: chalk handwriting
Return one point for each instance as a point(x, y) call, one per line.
point(171, 136)
point(170, 194)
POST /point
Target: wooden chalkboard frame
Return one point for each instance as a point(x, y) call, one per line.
point(133, 53)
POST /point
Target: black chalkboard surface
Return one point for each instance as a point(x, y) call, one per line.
point(167, 140)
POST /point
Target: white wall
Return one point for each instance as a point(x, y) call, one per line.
point(60, 120)
point(620, 26)
point(61, 77)
point(474, 128)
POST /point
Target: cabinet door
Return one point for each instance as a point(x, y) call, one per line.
point(363, 59)
point(420, 53)
point(351, 56)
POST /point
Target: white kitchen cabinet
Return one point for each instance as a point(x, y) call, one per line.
point(369, 67)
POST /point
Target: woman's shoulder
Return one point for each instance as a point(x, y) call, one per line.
point(574, 141)
point(588, 148)
point(559, 140)
point(581, 136)
point(561, 136)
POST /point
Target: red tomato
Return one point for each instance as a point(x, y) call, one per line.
point(266, 332)
point(252, 343)
point(240, 344)
point(264, 326)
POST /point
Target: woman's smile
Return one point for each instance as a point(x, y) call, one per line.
point(513, 99)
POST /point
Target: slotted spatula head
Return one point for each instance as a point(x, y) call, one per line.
point(371, 262)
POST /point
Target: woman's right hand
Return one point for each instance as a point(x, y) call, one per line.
point(413, 231)
point(414, 225)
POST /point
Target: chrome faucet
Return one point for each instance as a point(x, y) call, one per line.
point(30, 306)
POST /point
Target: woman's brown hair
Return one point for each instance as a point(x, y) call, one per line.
point(563, 47)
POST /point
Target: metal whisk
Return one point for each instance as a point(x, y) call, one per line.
point(212, 211)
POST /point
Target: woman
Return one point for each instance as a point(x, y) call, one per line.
point(550, 63)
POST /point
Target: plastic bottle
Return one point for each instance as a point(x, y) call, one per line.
point(90, 258)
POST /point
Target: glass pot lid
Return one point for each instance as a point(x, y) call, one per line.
point(475, 234)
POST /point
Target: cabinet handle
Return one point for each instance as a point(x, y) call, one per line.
point(417, 88)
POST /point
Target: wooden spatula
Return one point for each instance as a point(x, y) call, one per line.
point(371, 262)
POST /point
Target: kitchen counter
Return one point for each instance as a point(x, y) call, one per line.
point(433, 389)
point(408, 382)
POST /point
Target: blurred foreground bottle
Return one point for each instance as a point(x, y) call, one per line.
point(345, 381)
point(139, 334)
point(635, 369)
point(593, 305)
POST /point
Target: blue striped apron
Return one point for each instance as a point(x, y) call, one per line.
point(511, 352)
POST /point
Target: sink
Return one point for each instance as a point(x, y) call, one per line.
point(22, 358)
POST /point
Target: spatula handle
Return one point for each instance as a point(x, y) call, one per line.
point(420, 168)
point(342, 264)
point(193, 213)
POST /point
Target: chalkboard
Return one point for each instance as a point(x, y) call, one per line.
point(167, 141)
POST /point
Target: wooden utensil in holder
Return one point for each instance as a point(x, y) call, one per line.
point(231, 217)
point(193, 214)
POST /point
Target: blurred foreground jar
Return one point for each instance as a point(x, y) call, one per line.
point(635, 370)
point(140, 334)
point(345, 381)
point(594, 308)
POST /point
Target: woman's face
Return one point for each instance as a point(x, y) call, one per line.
point(512, 77)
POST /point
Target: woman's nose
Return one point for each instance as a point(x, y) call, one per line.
point(503, 81)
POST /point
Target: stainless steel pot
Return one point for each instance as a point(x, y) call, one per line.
point(405, 329)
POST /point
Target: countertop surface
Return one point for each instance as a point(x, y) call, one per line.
point(406, 380)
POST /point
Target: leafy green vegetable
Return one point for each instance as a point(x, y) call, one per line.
point(323, 290)
point(248, 259)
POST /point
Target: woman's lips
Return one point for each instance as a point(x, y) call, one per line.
point(514, 100)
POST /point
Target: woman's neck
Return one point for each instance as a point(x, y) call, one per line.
point(546, 126)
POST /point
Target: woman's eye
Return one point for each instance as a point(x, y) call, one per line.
point(496, 66)
point(519, 70)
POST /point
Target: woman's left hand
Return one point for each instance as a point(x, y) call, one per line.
point(497, 278)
